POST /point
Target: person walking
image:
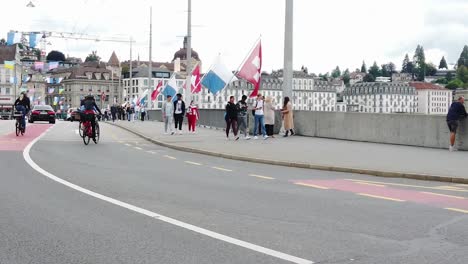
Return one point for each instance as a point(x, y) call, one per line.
point(168, 114)
point(128, 110)
point(242, 116)
point(288, 117)
point(231, 118)
point(259, 117)
point(456, 112)
point(113, 110)
point(269, 112)
point(192, 116)
point(142, 113)
point(179, 112)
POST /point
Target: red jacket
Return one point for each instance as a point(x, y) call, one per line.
point(193, 111)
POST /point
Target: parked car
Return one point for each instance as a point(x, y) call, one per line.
point(71, 113)
point(42, 113)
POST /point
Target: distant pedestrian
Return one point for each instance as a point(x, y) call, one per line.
point(128, 111)
point(142, 113)
point(231, 118)
point(113, 110)
point(168, 114)
point(456, 112)
point(288, 118)
point(259, 117)
point(179, 112)
point(192, 116)
point(269, 111)
point(242, 116)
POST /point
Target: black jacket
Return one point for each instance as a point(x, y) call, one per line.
point(25, 102)
point(231, 111)
point(183, 107)
point(456, 112)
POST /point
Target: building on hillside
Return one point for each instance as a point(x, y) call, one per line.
point(78, 81)
point(356, 77)
point(400, 77)
point(432, 99)
point(10, 79)
point(383, 79)
point(381, 98)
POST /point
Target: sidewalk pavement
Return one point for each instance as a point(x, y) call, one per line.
point(316, 153)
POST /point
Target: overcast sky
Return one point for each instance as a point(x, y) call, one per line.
point(326, 33)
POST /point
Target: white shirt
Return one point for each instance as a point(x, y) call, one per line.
point(178, 109)
point(259, 110)
point(168, 111)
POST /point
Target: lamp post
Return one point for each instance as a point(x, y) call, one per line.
point(288, 50)
point(188, 82)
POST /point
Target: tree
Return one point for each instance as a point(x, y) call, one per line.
point(388, 69)
point(443, 63)
point(346, 77)
point(462, 74)
point(3, 42)
point(454, 84)
point(431, 69)
point(364, 67)
point(125, 69)
point(93, 57)
point(55, 56)
point(375, 70)
point(324, 77)
point(449, 76)
point(419, 60)
point(369, 78)
point(405, 67)
point(463, 60)
point(336, 72)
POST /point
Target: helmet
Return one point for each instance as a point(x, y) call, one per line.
point(89, 96)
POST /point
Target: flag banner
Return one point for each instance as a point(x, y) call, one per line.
point(61, 90)
point(171, 87)
point(51, 90)
point(34, 39)
point(13, 80)
point(218, 77)
point(53, 65)
point(196, 84)
point(56, 100)
point(38, 65)
point(13, 38)
point(10, 65)
point(26, 78)
point(155, 93)
point(252, 69)
point(51, 80)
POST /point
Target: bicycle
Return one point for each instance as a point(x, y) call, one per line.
point(18, 127)
point(86, 130)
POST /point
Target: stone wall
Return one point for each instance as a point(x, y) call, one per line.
point(403, 129)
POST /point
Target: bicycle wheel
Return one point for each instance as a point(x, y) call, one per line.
point(23, 130)
point(80, 128)
point(18, 129)
point(98, 133)
point(86, 139)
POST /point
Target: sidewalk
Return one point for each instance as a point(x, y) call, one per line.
point(317, 153)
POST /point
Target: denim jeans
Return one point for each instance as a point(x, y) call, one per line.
point(259, 119)
point(22, 109)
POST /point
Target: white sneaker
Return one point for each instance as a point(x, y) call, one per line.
point(265, 137)
point(247, 138)
point(165, 133)
point(452, 148)
point(180, 132)
point(255, 137)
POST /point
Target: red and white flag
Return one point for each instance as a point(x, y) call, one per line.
point(196, 84)
point(156, 91)
point(252, 69)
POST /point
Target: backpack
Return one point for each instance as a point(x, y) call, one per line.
point(89, 104)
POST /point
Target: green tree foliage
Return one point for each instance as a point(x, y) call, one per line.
point(406, 67)
point(324, 77)
point(388, 69)
point(375, 71)
point(443, 63)
point(93, 57)
point(364, 67)
point(463, 60)
point(125, 69)
point(419, 60)
point(336, 72)
point(462, 74)
point(454, 84)
point(369, 78)
point(55, 56)
point(449, 76)
point(431, 69)
point(346, 77)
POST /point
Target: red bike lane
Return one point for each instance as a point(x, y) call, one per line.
point(11, 142)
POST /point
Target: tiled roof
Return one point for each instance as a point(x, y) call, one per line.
point(426, 86)
point(114, 61)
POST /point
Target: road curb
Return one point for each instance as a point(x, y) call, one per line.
point(387, 174)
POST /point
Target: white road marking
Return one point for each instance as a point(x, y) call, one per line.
point(193, 163)
point(221, 169)
point(261, 177)
point(138, 148)
point(172, 221)
point(170, 157)
point(128, 145)
point(151, 152)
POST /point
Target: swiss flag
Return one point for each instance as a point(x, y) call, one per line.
point(156, 91)
point(103, 96)
point(252, 68)
point(196, 84)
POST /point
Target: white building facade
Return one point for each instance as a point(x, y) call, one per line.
point(432, 99)
point(381, 98)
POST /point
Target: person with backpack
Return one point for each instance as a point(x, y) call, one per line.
point(90, 107)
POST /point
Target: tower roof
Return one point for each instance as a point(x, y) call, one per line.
point(114, 61)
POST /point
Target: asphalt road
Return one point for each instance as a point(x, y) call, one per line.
point(317, 216)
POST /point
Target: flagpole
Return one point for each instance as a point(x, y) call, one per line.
point(189, 51)
point(150, 68)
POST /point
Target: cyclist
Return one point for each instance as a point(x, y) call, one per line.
point(23, 105)
point(88, 104)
